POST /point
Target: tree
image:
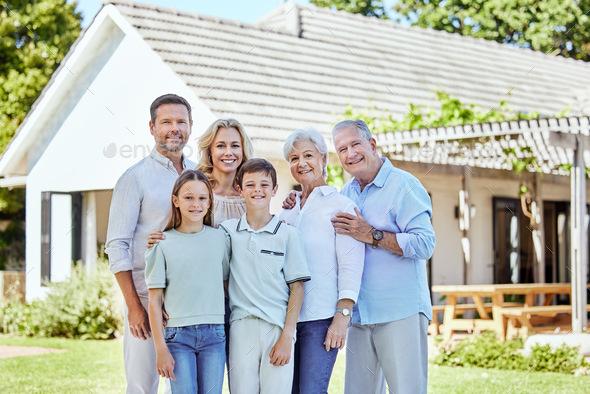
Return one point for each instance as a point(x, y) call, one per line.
point(367, 8)
point(35, 35)
point(12, 235)
point(551, 26)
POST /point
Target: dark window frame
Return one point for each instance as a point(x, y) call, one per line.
point(46, 197)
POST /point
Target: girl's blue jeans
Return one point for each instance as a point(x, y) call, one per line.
point(199, 357)
point(313, 364)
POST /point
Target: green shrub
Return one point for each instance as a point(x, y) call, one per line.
point(84, 307)
point(560, 359)
point(486, 351)
point(15, 318)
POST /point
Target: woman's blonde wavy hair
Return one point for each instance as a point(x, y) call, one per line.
point(204, 164)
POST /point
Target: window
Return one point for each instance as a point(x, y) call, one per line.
point(61, 224)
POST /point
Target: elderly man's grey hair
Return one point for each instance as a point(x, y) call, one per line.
point(360, 125)
point(308, 134)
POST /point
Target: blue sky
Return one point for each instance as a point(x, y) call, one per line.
point(244, 11)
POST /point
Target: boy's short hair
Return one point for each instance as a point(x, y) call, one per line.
point(256, 165)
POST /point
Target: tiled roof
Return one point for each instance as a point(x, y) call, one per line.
point(488, 145)
point(301, 65)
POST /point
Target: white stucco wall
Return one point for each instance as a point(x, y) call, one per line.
point(447, 260)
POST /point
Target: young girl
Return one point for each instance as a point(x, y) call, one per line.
point(186, 271)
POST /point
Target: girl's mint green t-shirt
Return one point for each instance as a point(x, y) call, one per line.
point(190, 268)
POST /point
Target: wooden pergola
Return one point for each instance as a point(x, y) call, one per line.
point(554, 147)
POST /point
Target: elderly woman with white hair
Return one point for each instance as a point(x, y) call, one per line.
point(335, 262)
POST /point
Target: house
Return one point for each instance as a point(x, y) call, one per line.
point(298, 66)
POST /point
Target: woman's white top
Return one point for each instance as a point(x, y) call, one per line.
point(227, 207)
point(335, 261)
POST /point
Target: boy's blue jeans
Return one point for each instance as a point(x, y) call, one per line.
point(313, 364)
point(199, 357)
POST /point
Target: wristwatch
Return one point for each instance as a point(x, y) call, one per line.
point(345, 312)
point(377, 236)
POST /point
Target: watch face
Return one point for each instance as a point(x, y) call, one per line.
point(345, 312)
point(378, 235)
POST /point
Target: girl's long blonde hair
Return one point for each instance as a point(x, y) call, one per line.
point(189, 175)
point(206, 140)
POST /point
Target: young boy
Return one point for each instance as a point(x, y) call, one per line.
point(267, 271)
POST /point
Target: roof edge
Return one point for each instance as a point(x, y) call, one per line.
point(14, 181)
point(15, 150)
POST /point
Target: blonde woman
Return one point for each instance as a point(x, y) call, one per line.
point(222, 150)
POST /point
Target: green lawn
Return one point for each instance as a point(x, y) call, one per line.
point(87, 366)
point(97, 367)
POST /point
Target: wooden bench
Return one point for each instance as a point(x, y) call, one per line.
point(494, 293)
point(521, 320)
point(434, 327)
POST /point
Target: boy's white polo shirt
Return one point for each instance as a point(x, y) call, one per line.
point(262, 266)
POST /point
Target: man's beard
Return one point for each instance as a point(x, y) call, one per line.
point(164, 145)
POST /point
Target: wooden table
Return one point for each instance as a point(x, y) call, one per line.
point(496, 293)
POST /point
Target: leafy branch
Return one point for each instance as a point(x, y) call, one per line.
point(452, 112)
point(567, 167)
